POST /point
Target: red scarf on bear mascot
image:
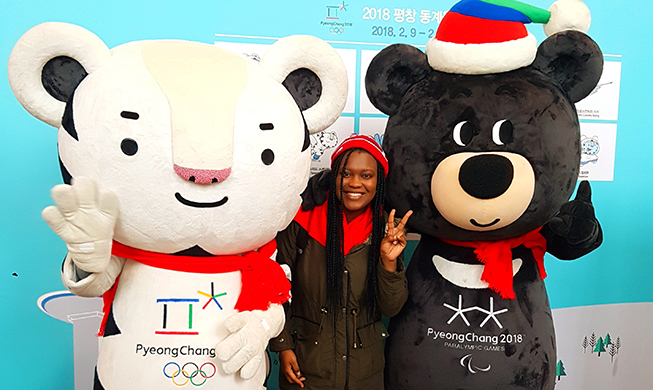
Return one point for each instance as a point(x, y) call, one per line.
point(497, 257)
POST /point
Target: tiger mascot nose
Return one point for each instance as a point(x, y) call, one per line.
point(202, 176)
point(203, 85)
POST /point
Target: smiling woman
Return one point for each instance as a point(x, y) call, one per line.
point(346, 273)
point(356, 182)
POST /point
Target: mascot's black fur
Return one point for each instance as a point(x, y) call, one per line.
point(453, 337)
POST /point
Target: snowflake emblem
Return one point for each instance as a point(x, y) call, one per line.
point(460, 311)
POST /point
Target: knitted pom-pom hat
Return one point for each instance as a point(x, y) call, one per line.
point(490, 36)
point(366, 143)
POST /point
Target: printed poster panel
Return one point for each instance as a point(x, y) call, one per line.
point(366, 106)
point(412, 24)
point(255, 51)
point(604, 347)
point(374, 127)
point(324, 143)
point(349, 58)
point(603, 102)
point(598, 143)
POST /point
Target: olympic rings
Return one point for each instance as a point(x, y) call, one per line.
point(181, 372)
point(166, 366)
point(194, 372)
point(199, 384)
point(177, 374)
point(214, 369)
point(336, 30)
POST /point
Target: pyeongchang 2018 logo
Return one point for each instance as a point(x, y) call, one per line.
point(471, 341)
point(182, 374)
point(335, 19)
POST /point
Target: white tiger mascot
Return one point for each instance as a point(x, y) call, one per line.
point(182, 161)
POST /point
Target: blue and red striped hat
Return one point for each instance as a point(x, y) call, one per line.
point(490, 36)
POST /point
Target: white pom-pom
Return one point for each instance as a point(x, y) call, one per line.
point(568, 15)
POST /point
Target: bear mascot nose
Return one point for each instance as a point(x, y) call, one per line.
point(202, 176)
point(487, 176)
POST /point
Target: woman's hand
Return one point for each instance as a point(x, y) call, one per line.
point(394, 241)
point(290, 368)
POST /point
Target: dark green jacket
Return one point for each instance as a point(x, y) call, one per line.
point(349, 355)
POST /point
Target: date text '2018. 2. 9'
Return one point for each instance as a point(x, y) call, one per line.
point(401, 32)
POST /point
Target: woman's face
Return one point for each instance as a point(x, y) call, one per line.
point(358, 183)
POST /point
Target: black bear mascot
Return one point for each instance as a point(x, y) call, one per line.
point(483, 144)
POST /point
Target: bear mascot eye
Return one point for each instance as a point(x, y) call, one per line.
point(463, 133)
point(502, 132)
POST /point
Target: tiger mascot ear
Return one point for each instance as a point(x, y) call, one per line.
point(314, 74)
point(47, 64)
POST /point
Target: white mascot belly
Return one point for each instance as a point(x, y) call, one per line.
point(168, 331)
point(181, 161)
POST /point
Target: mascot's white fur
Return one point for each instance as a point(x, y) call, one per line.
point(183, 149)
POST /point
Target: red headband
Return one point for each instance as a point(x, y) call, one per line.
point(366, 143)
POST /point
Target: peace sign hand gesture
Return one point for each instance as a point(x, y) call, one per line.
point(394, 241)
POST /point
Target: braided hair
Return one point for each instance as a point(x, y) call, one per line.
point(334, 249)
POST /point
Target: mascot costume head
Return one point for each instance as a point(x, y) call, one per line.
point(483, 145)
point(182, 162)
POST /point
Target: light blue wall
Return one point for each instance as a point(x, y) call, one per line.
point(39, 348)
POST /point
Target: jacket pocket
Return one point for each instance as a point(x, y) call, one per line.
point(367, 356)
point(314, 357)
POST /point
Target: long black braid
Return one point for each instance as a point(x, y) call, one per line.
point(334, 249)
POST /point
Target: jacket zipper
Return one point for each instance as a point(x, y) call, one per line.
point(346, 313)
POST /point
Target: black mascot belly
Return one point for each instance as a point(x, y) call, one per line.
point(483, 144)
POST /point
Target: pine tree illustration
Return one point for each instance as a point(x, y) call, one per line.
point(607, 340)
point(599, 347)
point(560, 369)
point(612, 350)
point(584, 344)
point(617, 344)
point(593, 339)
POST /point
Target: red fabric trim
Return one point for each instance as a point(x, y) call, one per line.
point(263, 280)
point(497, 257)
point(463, 29)
point(354, 233)
point(107, 300)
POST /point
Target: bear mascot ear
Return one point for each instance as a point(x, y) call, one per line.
point(574, 60)
point(48, 62)
point(313, 73)
point(391, 73)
